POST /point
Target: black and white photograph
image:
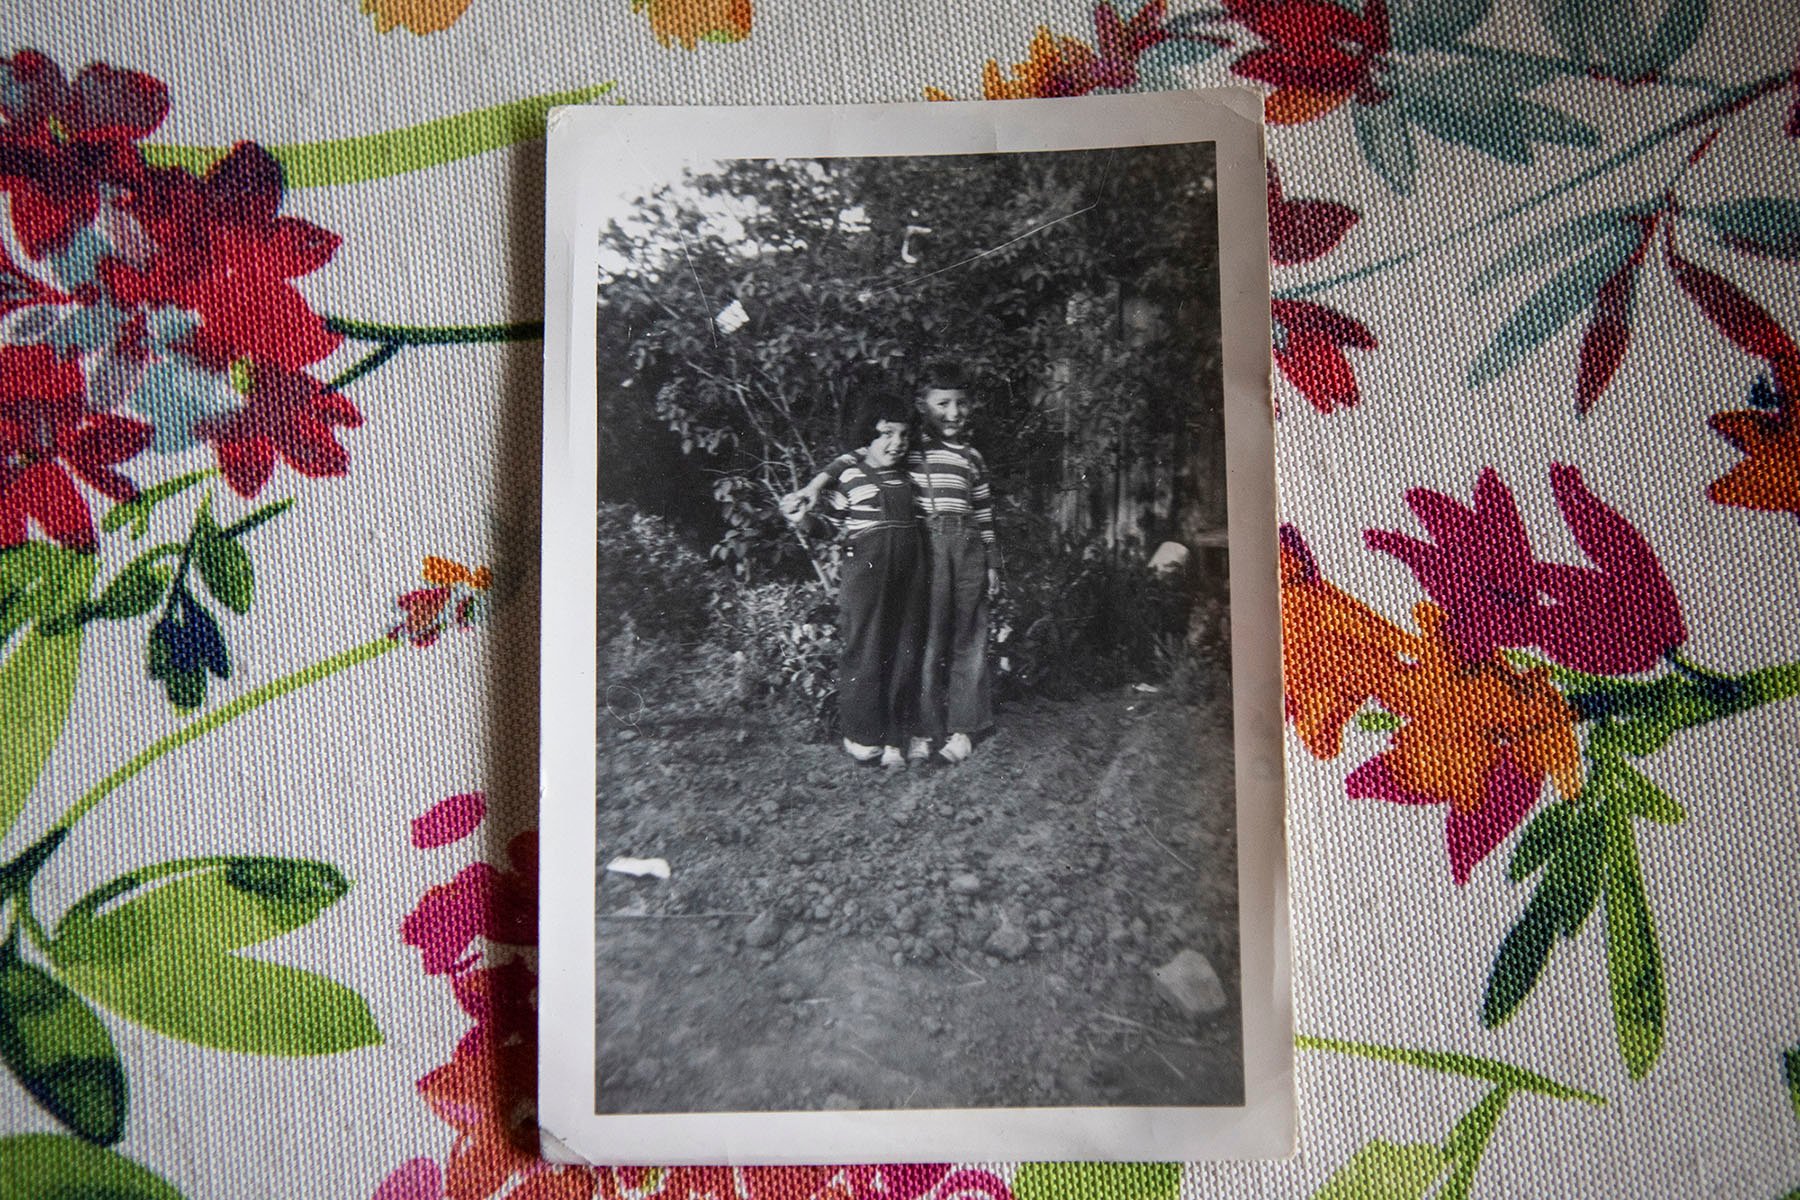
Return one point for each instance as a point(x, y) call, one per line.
point(916, 741)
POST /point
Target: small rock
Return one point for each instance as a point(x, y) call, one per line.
point(1008, 941)
point(803, 856)
point(822, 911)
point(763, 931)
point(788, 992)
point(890, 944)
point(906, 921)
point(1189, 982)
point(766, 957)
point(966, 884)
point(626, 735)
point(696, 968)
point(942, 936)
point(932, 1026)
point(769, 809)
point(1140, 929)
point(899, 959)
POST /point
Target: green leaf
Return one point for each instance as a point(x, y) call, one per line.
point(1376, 721)
point(1790, 1072)
point(1469, 1141)
point(1767, 225)
point(134, 591)
point(1415, 25)
point(1540, 840)
point(153, 947)
point(1386, 142)
point(1555, 244)
point(37, 684)
point(1568, 293)
point(267, 512)
point(224, 566)
point(1521, 958)
point(231, 1003)
point(1633, 959)
point(1604, 34)
point(1385, 1171)
point(379, 155)
point(1098, 1181)
point(1468, 1066)
point(1676, 33)
point(59, 1051)
point(209, 904)
point(136, 511)
point(40, 582)
point(1478, 105)
point(49, 1166)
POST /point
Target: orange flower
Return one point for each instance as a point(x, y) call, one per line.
point(445, 572)
point(691, 22)
point(1054, 66)
point(1768, 478)
point(1336, 651)
point(419, 16)
point(1462, 717)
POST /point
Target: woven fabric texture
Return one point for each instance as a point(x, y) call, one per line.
point(270, 302)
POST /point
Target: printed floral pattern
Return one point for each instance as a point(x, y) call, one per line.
point(165, 376)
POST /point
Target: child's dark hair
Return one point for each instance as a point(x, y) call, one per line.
point(878, 406)
point(944, 374)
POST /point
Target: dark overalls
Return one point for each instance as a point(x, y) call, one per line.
point(881, 613)
point(954, 697)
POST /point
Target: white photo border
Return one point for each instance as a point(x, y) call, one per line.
point(585, 146)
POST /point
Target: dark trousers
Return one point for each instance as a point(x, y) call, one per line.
point(881, 613)
point(954, 696)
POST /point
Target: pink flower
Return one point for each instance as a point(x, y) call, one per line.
point(1618, 617)
point(417, 1179)
point(1470, 834)
point(481, 901)
point(449, 820)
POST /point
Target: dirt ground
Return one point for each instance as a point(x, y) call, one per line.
point(973, 936)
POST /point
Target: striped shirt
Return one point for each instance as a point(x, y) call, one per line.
point(950, 480)
point(854, 504)
point(953, 485)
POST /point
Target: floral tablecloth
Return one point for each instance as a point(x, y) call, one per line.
point(269, 395)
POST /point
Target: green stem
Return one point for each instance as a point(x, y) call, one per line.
point(369, 362)
point(1569, 66)
point(433, 335)
point(1466, 1065)
point(1727, 104)
point(223, 715)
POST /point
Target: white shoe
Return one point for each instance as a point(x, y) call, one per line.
point(957, 748)
point(891, 757)
point(860, 752)
point(919, 748)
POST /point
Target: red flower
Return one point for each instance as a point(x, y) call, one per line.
point(1123, 43)
point(289, 414)
point(1310, 340)
point(44, 424)
point(224, 253)
point(1617, 617)
point(1302, 230)
point(61, 142)
point(1316, 54)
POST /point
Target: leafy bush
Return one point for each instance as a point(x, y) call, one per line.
point(650, 580)
point(1073, 617)
point(782, 643)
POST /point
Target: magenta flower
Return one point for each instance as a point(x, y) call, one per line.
point(1617, 617)
point(449, 820)
point(481, 901)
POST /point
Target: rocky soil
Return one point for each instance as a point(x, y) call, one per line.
point(1051, 923)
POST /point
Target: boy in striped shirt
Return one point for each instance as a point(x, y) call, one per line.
point(881, 596)
point(955, 504)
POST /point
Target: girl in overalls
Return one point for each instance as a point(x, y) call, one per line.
point(881, 600)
